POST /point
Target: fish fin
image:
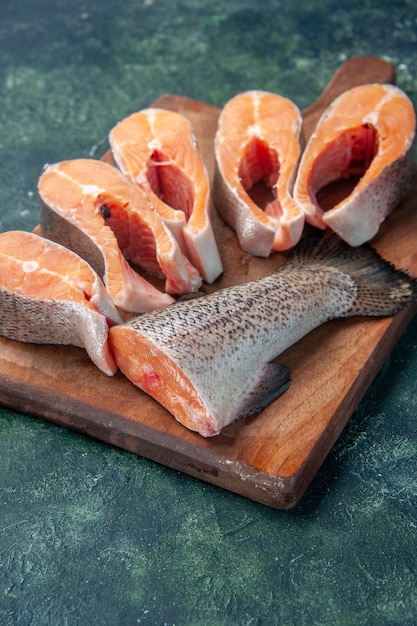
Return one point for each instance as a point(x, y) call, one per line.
point(272, 380)
point(192, 295)
point(382, 289)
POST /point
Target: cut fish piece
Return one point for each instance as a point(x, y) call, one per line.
point(207, 359)
point(257, 142)
point(50, 295)
point(367, 133)
point(91, 208)
point(157, 150)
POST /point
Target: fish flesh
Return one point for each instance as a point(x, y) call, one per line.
point(208, 359)
point(257, 146)
point(92, 208)
point(157, 150)
point(366, 134)
point(50, 295)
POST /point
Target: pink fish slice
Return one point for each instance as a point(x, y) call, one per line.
point(92, 208)
point(257, 144)
point(157, 150)
point(49, 295)
point(365, 135)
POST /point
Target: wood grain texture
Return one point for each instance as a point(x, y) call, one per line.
point(271, 457)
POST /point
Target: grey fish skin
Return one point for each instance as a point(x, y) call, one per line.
point(223, 342)
point(59, 322)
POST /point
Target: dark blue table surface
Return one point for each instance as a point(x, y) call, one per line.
point(91, 534)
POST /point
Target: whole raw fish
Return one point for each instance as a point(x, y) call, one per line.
point(207, 360)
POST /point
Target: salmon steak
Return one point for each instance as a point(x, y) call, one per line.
point(257, 147)
point(366, 136)
point(207, 360)
point(49, 295)
point(157, 150)
point(90, 207)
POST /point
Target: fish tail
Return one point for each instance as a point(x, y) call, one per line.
point(382, 289)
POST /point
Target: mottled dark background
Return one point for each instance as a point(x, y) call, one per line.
point(90, 534)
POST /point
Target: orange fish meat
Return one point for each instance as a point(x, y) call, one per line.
point(258, 142)
point(367, 134)
point(157, 150)
point(50, 295)
point(92, 208)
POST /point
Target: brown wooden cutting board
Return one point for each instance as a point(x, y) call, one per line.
point(273, 456)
